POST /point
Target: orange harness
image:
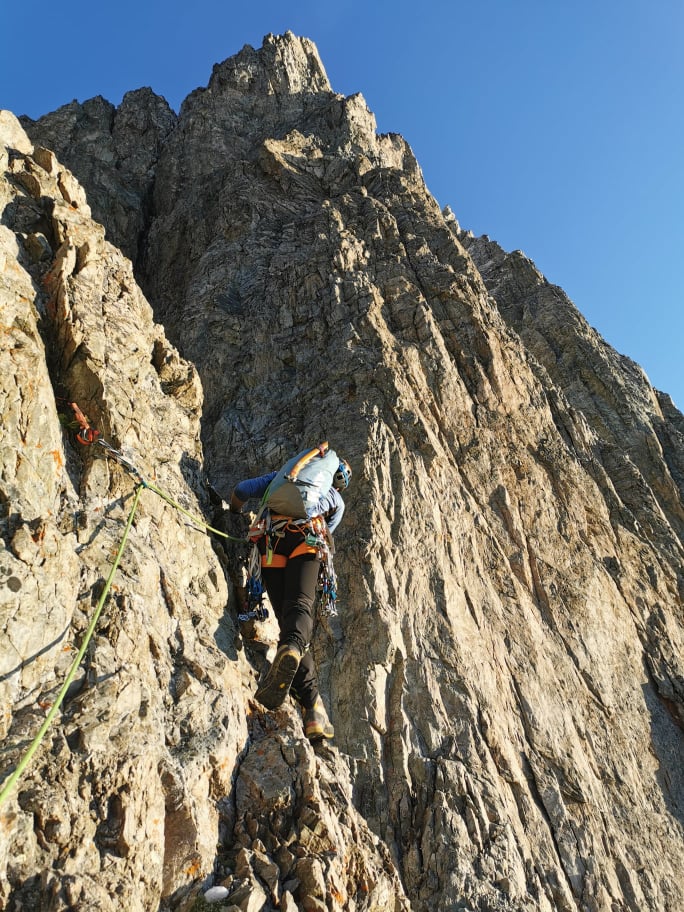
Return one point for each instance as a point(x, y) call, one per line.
point(265, 535)
point(280, 560)
point(269, 558)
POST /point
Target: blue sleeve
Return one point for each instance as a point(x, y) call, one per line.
point(331, 506)
point(253, 487)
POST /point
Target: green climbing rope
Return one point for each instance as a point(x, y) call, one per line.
point(95, 437)
point(35, 744)
point(198, 522)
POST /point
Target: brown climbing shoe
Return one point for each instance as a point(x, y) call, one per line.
point(275, 687)
point(316, 723)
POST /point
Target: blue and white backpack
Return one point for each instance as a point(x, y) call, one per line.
point(303, 480)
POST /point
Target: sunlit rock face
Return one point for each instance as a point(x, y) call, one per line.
point(218, 289)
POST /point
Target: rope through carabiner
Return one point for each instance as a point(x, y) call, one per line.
point(87, 436)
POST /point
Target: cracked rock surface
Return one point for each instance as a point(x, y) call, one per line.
point(505, 674)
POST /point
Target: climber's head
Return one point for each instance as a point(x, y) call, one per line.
point(342, 476)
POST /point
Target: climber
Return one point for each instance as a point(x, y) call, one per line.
point(290, 564)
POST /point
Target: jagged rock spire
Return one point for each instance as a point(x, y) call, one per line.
point(505, 676)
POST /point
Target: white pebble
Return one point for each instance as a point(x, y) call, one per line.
point(215, 894)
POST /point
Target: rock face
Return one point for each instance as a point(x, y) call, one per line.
point(639, 434)
point(116, 150)
point(505, 674)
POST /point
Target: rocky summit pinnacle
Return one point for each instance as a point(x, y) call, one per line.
point(216, 290)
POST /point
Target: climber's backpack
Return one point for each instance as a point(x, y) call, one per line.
point(302, 481)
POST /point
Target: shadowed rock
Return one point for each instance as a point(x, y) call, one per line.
point(505, 674)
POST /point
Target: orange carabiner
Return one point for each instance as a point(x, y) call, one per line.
point(87, 434)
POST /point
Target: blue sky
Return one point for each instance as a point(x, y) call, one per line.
point(555, 128)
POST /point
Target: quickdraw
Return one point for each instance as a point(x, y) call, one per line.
point(255, 590)
point(327, 587)
point(320, 538)
point(88, 435)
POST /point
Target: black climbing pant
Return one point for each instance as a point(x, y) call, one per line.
point(292, 592)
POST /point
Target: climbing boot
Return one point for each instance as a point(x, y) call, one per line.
point(275, 687)
point(316, 722)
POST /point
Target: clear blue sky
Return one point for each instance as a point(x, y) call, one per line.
point(556, 128)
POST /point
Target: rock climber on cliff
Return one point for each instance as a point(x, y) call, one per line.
point(301, 507)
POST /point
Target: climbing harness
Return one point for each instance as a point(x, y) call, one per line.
point(315, 539)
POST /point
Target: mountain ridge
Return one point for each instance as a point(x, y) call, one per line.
point(505, 675)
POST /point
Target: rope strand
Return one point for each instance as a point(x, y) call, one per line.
point(87, 436)
point(198, 522)
point(35, 744)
